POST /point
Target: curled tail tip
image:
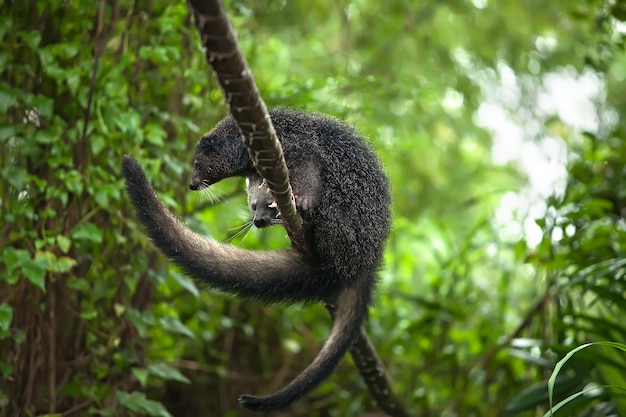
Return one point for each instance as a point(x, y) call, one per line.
point(132, 171)
point(129, 166)
point(258, 404)
point(128, 161)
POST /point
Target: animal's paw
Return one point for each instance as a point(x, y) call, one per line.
point(304, 202)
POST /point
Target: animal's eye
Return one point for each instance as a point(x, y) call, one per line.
point(253, 206)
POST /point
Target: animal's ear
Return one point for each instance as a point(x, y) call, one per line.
point(204, 146)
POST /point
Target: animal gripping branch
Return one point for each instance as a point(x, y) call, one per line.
point(250, 113)
point(248, 109)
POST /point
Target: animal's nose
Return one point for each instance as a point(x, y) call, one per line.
point(193, 186)
point(260, 223)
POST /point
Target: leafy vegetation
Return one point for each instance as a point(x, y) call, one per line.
point(473, 313)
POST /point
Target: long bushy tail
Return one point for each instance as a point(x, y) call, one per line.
point(352, 305)
point(269, 276)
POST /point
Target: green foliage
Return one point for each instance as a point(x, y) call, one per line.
point(469, 319)
point(77, 307)
point(572, 398)
point(582, 252)
point(586, 261)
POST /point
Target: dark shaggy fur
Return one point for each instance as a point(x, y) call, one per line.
point(343, 195)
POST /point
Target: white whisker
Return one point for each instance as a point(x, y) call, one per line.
point(244, 231)
point(211, 194)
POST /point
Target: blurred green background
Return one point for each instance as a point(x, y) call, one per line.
point(499, 126)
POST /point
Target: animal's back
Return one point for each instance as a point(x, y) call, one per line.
point(353, 217)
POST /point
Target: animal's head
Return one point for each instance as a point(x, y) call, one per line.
point(219, 154)
point(261, 203)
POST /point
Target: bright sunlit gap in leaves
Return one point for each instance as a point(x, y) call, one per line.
point(521, 137)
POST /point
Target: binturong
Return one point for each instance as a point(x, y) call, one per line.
point(343, 196)
point(261, 203)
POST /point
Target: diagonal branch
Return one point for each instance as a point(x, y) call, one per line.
point(248, 109)
point(373, 372)
point(375, 375)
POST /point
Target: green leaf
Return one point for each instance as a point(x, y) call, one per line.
point(78, 284)
point(562, 362)
point(187, 283)
point(141, 320)
point(6, 317)
point(128, 122)
point(98, 143)
point(102, 289)
point(65, 50)
point(64, 243)
point(5, 370)
point(44, 105)
point(9, 130)
point(88, 232)
point(54, 5)
point(537, 394)
point(45, 137)
point(174, 325)
point(5, 25)
point(73, 181)
point(31, 39)
point(73, 81)
point(33, 269)
point(88, 313)
point(155, 134)
point(137, 402)
point(15, 176)
point(141, 374)
point(14, 258)
point(53, 263)
point(5, 59)
point(7, 100)
point(101, 197)
point(165, 371)
point(585, 395)
point(36, 273)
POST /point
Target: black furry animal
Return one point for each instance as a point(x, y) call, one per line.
point(343, 196)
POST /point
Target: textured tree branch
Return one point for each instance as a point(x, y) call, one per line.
point(373, 372)
point(376, 378)
point(249, 111)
